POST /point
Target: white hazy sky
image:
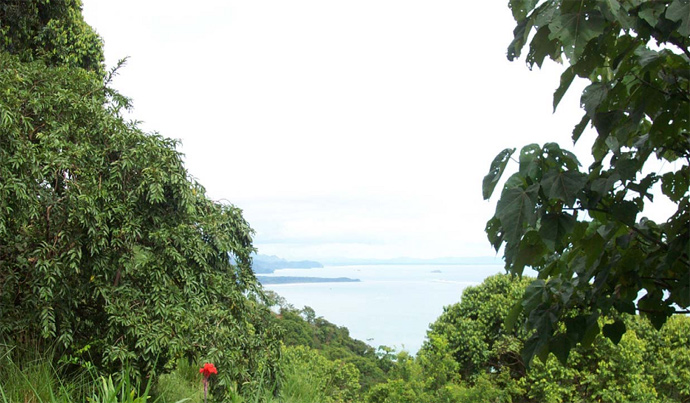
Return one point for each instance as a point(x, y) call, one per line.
point(342, 128)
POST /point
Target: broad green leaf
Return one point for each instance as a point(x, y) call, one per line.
point(575, 28)
point(591, 331)
point(559, 345)
point(593, 96)
point(498, 165)
point(521, 8)
point(560, 157)
point(515, 209)
point(534, 295)
point(511, 319)
point(541, 46)
point(494, 233)
point(625, 212)
point(607, 121)
point(563, 186)
point(530, 252)
point(592, 248)
point(666, 127)
point(529, 160)
point(679, 10)
point(646, 56)
point(575, 327)
point(613, 6)
point(654, 308)
point(566, 79)
point(651, 11)
point(681, 295)
point(520, 35)
point(614, 331)
point(554, 228)
point(580, 127)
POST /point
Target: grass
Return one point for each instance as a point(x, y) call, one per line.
point(30, 377)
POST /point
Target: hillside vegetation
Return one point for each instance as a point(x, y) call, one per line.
point(120, 278)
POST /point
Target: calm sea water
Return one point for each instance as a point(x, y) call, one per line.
point(391, 305)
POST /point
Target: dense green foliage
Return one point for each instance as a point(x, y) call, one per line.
point(107, 247)
point(304, 328)
point(470, 356)
point(50, 30)
point(307, 373)
point(584, 231)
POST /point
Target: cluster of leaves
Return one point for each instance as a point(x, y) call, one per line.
point(50, 30)
point(583, 231)
point(104, 239)
point(470, 356)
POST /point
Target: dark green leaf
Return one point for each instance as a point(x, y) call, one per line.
point(593, 96)
point(529, 160)
point(655, 308)
point(681, 295)
point(515, 311)
point(591, 331)
point(679, 10)
point(554, 228)
point(592, 247)
point(575, 327)
point(530, 252)
point(494, 233)
point(614, 331)
point(563, 186)
point(495, 171)
point(541, 46)
point(515, 209)
point(580, 127)
point(651, 11)
point(521, 8)
point(534, 295)
point(560, 346)
point(605, 122)
point(625, 212)
point(534, 346)
point(566, 79)
point(646, 56)
point(575, 28)
point(520, 35)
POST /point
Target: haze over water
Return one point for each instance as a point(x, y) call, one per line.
point(392, 305)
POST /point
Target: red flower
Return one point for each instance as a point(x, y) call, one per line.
point(208, 369)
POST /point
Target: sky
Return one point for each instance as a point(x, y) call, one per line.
point(357, 129)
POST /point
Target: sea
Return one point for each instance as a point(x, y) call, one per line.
point(391, 305)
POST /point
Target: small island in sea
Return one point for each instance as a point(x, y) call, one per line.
point(269, 264)
point(295, 280)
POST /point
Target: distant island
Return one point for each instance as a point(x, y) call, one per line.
point(269, 264)
point(294, 280)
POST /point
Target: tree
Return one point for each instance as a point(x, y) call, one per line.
point(53, 31)
point(473, 328)
point(645, 365)
point(584, 231)
point(106, 244)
